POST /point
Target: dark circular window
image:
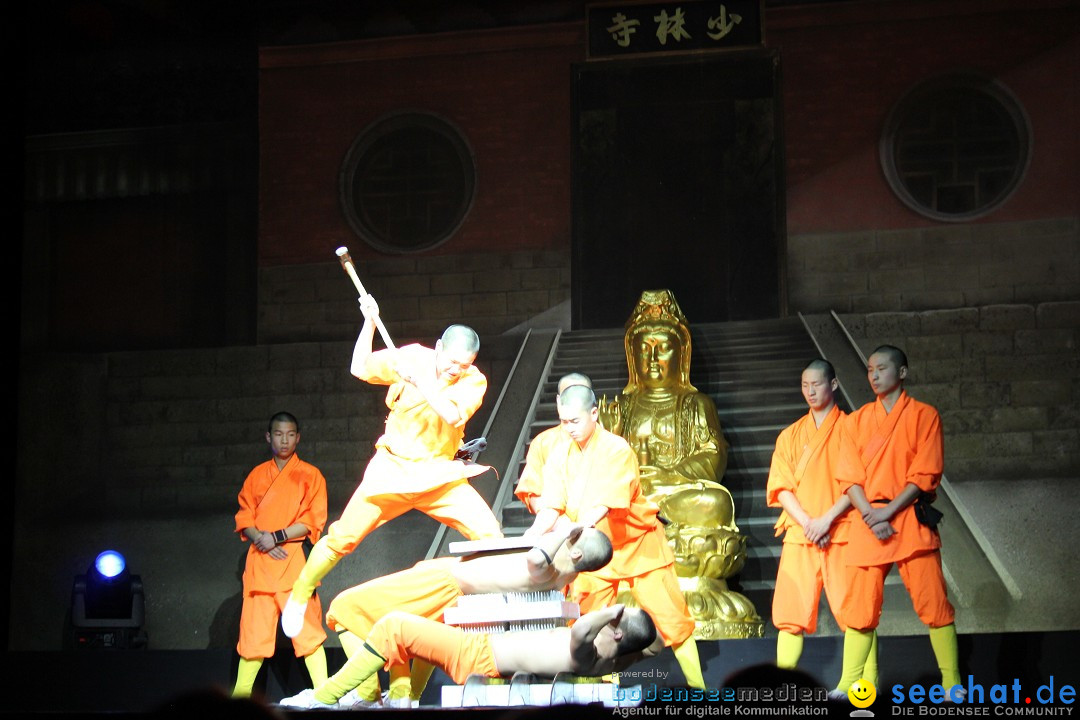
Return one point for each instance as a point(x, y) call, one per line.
point(956, 148)
point(407, 182)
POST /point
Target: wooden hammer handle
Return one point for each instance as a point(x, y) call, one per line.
point(350, 270)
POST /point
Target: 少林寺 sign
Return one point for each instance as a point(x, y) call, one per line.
point(632, 29)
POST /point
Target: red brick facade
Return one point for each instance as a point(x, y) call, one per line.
point(508, 92)
point(844, 66)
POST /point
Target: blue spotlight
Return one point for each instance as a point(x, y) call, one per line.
point(107, 605)
point(110, 564)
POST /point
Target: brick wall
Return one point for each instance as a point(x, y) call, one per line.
point(185, 425)
point(508, 91)
point(948, 266)
point(418, 295)
point(846, 65)
point(1005, 378)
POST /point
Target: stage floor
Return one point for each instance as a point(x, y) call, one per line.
point(149, 681)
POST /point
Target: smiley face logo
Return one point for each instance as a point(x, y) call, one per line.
point(862, 693)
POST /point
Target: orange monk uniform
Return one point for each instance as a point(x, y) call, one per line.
point(605, 473)
point(889, 451)
point(804, 463)
point(399, 636)
point(425, 590)
point(272, 500)
point(531, 483)
point(413, 465)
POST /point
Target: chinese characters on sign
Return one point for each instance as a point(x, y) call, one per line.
point(617, 30)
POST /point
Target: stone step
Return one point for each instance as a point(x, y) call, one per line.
point(757, 435)
point(611, 380)
point(515, 514)
point(709, 352)
point(778, 411)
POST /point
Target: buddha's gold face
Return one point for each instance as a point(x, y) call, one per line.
point(657, 354)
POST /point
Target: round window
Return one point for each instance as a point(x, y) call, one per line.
point(407, 182)
point(956, 148)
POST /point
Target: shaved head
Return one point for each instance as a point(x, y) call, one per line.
point(572, 379)
point(577, 397)
point(283, 417)
point(460, 338)
point(639, 632)
point(595, 549)
point(895, 354)
point(822, 365)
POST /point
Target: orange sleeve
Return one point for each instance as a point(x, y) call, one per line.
point(782, 467)
point(925, 468)
point(613, 475)
point(531, 482)
point(849, 466)
point(248, 500)
point(553, 484)
point(312, 510)
point(467, 394)
point(381, 367)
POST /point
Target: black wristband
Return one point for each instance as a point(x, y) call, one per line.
point(280, 536)
point(542, 552)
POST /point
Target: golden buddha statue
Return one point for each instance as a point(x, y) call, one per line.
point(682, 455)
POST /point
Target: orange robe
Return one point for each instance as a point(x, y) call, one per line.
point(426, 590)
point(884, 451)
point(398, 636)
point(273, 500)
point(531, 482)
point(413, 465)
point(804, 463)
point(605, 472)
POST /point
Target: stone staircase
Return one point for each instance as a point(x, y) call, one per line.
point(751, 370)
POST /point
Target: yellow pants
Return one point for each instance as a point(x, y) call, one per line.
point(923, 579)
point(259, 624)
point(804, 570)
point(456, 504)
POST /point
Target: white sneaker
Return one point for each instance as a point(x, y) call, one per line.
point(960, 696)
point(306, 701)
point(398, 703)
point(292, 617)
point(352, 700)
point(838, 695)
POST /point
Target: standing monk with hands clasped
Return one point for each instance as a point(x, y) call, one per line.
point(815, 519)
point(893, 461)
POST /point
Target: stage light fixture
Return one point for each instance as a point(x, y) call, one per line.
point(107, 605)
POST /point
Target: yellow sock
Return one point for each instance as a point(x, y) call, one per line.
point(687, 655)
point(788, 649)
point(943, 640)
point(350, 643)
point(421, 673)
point(316, 666)
point(857, 644)
point(870, 670)
point(400, 682)
point(369, 689)
point(362, 665)
point(245, 677)
point(321, 560)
